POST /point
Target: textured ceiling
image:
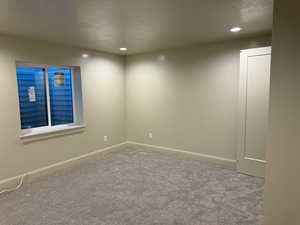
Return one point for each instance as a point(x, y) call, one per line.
point(139, 25)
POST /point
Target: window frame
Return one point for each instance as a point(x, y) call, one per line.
point(28, 132)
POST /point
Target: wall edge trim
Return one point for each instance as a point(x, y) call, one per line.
point(34, 174)
point(220, 160)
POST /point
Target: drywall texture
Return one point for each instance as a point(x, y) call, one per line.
point(103, 98)
point(188, 97)
point(282, 179)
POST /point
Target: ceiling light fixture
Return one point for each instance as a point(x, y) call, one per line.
point(84, 56)
point(235, 29)
point(123, 49)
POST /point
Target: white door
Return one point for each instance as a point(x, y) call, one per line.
point(254, 109)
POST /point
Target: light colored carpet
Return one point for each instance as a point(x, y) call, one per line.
point(137, 187)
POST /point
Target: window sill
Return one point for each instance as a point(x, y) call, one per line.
point(46, 132)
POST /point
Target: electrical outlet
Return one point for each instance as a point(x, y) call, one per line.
point(150, 135)
point(105, 138)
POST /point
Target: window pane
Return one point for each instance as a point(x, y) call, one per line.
point(60, 91)
point(32, 97)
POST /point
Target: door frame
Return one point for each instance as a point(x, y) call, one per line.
point(247, 165)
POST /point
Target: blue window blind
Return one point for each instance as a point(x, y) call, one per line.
point(32, 97)
point(60, 92)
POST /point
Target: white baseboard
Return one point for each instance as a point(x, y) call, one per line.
point(32, 175)
point(220, 160)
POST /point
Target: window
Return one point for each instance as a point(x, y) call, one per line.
point(60, 92)
point(50, 98)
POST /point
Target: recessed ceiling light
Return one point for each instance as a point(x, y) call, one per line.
point(123, 49)
point(84, 56)
point(235, 29)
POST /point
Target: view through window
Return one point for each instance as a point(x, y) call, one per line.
point(46, 96)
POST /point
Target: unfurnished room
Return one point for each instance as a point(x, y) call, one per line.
point(149, 112)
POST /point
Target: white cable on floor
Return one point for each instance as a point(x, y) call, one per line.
point(15, 188)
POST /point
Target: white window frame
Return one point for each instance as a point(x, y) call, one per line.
point(77, 119)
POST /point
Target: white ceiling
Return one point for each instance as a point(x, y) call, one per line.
point(139, 25)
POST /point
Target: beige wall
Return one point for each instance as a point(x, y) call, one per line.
point(187, 97)
point(103, 96)
point(282, 202)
